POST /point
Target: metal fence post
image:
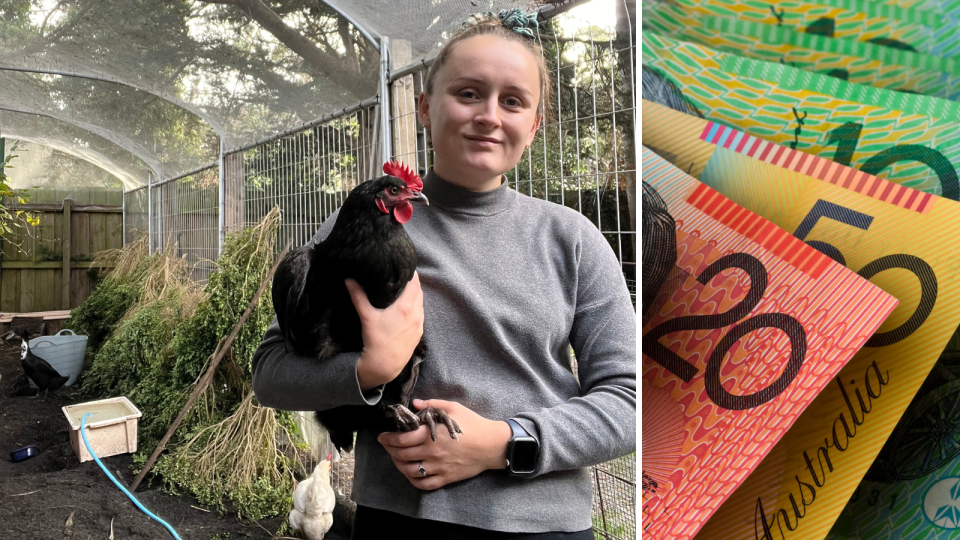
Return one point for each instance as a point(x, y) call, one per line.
point(386, 134)
point(221, 189)
point(123, 202)
point(149, 213)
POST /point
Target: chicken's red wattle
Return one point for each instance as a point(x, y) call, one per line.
point(403, 212)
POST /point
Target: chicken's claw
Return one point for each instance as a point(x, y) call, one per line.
point(431, 415)
point(405, 419)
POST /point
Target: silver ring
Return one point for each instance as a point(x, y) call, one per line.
point(423, 472)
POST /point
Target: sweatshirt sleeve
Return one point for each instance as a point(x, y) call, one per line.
point(288, 381)
point(600, 424)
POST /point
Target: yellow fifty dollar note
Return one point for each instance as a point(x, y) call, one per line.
point(901, 239)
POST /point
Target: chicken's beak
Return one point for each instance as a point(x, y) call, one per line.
point(8, 336)
point(419, 198)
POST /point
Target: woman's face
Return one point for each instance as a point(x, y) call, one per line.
point(482, 113)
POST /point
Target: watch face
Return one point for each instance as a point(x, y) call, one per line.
point(524, 455)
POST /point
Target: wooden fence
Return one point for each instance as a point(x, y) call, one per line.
point(37, 274)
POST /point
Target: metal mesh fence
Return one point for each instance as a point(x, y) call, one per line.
point(135, 215)
point(186, 214)
point(307, 174)
point(615, 499)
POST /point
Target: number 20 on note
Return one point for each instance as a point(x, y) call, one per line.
point(789, 325)
point(686, 371)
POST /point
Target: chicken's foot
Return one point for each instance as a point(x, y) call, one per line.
point(431, 416)
point(405, 419)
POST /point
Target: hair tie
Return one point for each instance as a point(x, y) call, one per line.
point(518, 21)
point(513, 19)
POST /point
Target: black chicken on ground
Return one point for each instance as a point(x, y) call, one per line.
point(317, 316)
point(37, 369)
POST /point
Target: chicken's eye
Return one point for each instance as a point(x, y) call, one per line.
point(394, 190)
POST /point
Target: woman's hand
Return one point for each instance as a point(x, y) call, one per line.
point(482, 446)
point(389, 335)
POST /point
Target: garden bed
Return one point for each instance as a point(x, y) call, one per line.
point(39, 494)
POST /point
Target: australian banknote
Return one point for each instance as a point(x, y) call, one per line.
point(747, 325)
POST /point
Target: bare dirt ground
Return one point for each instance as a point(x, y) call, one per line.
point(38, 496)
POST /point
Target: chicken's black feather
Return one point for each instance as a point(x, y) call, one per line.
point(314, 309)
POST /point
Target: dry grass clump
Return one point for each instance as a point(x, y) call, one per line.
point(130, 356)
point(238, 459)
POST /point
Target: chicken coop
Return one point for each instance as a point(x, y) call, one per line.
point(212, 113)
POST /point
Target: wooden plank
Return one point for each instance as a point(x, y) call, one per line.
point(10, 290)
point(11, 250)
point(30, 265)
point(56, 207)
point(98, 233)
point(6, 316)
point(81, 235)
point(46, 240)
point(46, 265)
point(58, 230)
point(45, 289)
point(27, 296)
point(67, 236)
point(114, 231)
point(28, 244)
point(80, 287)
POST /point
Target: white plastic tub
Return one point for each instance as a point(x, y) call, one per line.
point(63, 351)
point(111, 428)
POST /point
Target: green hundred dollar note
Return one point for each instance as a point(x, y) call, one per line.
point(913, 488)
point(912, 140)
point(887, 22)
point(853, 61)
point(801, 487)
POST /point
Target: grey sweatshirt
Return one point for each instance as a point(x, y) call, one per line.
point(510, 283)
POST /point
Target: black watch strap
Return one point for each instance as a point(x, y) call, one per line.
point(522, 451)
point(517, 429)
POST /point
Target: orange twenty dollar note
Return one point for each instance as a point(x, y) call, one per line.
point(743, 325)
point(904, 241)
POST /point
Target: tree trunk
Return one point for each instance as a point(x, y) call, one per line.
point(329, 64)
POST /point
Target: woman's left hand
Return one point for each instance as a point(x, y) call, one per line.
point(481, 446)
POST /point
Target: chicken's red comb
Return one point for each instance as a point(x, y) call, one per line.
point(403, 172)
point(330, 455)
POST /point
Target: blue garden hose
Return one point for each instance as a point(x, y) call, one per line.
point(83, 433)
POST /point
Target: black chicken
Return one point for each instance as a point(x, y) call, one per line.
point(40, 372)
point(315, 312)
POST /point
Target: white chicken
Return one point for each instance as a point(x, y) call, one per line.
point(313, 503)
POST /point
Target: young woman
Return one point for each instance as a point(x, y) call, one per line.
point(506, 285)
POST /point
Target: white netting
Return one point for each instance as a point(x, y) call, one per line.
point(426, 24)
point(75, 141)
point(169, 77)
point(32, 167)
point(163, 80)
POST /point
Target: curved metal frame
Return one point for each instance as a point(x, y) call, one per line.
point(178, 102)
point(12, 134)
point(125, 143)
point(374, 40)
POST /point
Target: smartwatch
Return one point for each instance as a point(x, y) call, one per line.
point(522, 451)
